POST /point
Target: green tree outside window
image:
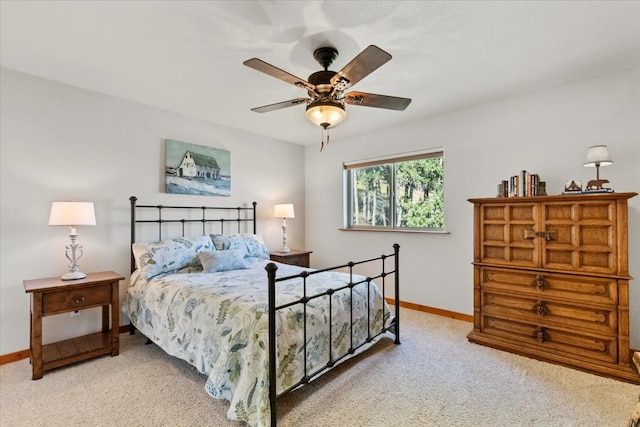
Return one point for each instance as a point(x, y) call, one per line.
point(403, 193)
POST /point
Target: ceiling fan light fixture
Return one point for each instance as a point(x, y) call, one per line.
point(325, 113)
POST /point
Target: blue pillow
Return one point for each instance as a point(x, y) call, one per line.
point(251, 244)
point(214, 261)
point(168, 255)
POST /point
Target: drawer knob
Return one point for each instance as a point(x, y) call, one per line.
point(541, 334)
point(542, 309)
point(79, 300)
point(540, 283)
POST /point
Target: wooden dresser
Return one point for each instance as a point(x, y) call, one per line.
point(551, 280)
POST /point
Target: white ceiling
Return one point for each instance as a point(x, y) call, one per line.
point(186, 56)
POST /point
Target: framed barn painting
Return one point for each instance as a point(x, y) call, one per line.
point(197, 169)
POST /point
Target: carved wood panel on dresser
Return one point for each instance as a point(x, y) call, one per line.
point(551, 280)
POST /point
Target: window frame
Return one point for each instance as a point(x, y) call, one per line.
point(391, 160)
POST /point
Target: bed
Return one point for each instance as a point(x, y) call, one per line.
point(256, 328)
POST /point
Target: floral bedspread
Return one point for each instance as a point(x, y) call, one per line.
point(218, 322)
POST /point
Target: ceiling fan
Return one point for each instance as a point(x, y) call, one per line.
point(325, 89)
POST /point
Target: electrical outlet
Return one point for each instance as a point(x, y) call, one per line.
point(75, 313)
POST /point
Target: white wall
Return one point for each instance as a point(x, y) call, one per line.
point(62, 143)
point(546, 132)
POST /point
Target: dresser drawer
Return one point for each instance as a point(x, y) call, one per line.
point(548, 312)
point(572, 288)
point(561, 341)
point(76, 299)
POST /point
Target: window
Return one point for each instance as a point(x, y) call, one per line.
point(396, 193)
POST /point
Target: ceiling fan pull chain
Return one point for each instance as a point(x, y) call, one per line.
point(324, 129)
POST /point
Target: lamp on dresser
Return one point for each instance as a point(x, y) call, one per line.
point(284, 211)
point(597, 155)
point(73, 214)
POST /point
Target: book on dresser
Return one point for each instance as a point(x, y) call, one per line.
point(551, 280)
point(524, 184)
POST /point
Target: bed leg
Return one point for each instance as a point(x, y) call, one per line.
point(132, 329)
point(396, 250)
point(271, 275)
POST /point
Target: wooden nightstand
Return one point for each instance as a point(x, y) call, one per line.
point(295, 257)
point(54, 296)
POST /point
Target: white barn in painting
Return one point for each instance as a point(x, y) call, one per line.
point(194, 165)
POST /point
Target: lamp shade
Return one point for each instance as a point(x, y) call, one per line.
point(283, 211)
point(598, 155)
point(325, 113)
point(72, 213)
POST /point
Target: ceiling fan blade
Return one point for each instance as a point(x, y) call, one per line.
point(260, 65)
point(279, 105)
point(360, 67)
point(378, 101)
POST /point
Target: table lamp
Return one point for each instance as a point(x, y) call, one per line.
point(73, 214)
point(597, 156)
point(284, 211)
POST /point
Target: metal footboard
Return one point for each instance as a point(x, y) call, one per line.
point(394, 327)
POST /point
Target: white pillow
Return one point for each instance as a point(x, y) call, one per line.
point(168, 255)
point(213, 261)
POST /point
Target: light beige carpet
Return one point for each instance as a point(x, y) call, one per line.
point(434, 378)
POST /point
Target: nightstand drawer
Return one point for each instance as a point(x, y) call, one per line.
point(293, 257)
point(76, 299)
point(300, 261)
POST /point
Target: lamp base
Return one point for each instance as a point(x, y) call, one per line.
point(74, 275)
point(285, 247)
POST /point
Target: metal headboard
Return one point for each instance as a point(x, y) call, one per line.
point(248, 217)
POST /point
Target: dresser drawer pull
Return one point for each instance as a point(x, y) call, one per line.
point(540, 283)
point(542, 309)
point(541, 334)
point(530, 234)
point(79, 300)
